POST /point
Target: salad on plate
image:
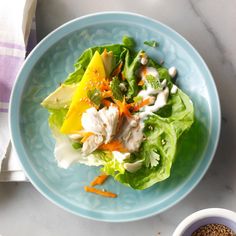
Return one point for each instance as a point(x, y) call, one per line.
point(121, 110)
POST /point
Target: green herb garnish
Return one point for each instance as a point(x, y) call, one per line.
point(152, 43)
point(95, 96)
point(116, 90)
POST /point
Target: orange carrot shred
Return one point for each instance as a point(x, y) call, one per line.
point(107, 94)
point(142, 104)
point(105, 85)
point(141, 82)
point(99, 180)
point(144, 70)
point(100, 192)
point(114, 145)
point(106, 102)
point(117, 70)
point(123, 107)
point(122, 77)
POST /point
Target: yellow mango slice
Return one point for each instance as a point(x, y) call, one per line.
point(94, 73)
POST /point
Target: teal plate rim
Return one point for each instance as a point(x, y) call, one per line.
point(14, 115)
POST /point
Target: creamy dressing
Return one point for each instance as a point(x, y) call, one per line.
point(160, 102)
point(144, 59)
point(149, 71)
point(147, 92)
point(172, 71)
point(164, 83)
point(174, 89)
point(162, 93)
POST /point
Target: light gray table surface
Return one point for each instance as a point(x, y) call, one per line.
point(210, 26)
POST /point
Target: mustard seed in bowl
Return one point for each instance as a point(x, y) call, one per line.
point(214, 230)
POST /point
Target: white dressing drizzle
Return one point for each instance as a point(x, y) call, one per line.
point(172, 71)
point(160, 102)
point(162, 93)
point(174, 89)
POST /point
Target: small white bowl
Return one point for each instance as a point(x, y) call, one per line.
point(204, 217)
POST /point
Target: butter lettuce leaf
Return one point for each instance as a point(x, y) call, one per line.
point(179, 112)
point(162, 131)
point(56, 117)
point(112, 167)
point(130, 72)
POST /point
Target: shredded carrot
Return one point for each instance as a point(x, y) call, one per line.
point(107, 94)
point(106, 102)
point(105, 85)
point(99, 180)
point(123, 107)
point(100, 192)
point(144, 70)
point(122, 77)
point(86, 136)
point(114, 145)
point(141, 82)
point(142, 104)
point(117, 70)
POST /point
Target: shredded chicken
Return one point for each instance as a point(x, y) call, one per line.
point(131, 134)
point(109, 117)
point(92, 143)
point(102, 124)
point(92, 122)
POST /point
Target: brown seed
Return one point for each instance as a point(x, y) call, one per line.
point(213, 230)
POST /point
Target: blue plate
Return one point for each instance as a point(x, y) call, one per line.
point(49, 64)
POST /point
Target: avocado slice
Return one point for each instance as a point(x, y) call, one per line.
point(61, 97)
